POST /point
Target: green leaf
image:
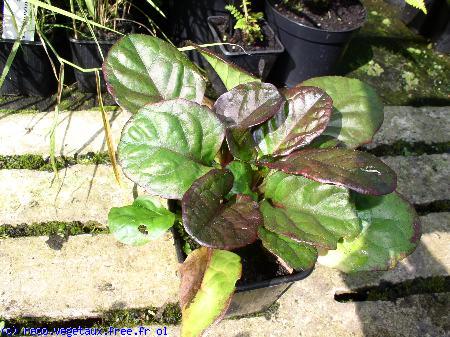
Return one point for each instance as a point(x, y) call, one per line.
point(298, 225)
point(249, 104)
point(304, 118)
point(243, 178)
point(207, 290)
point(241, 144)
point(298, 256)
point(356, 170)
point(322, 213)
point(419, 4)
point(166, 146)
point(230, 74)
point(213, 223)
point(90, 5)
point(141, 222)
point(142, 69)
point(391, 231)
point(358, 111)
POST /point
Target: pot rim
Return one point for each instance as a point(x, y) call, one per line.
point(270, 3)
point(250, 53)
point(25, 42)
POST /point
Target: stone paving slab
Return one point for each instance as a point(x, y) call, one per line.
point(87, 192)
point(78, 132)
point(422, 179)
point(82, 131)
point(308, 309)
point(425, 124)
point(89, 274)
point(82, 193)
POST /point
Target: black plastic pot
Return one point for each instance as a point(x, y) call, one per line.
point(85, 53)
point(31, 73)
point(258, 63)
point(431, 24)
point(310, 52)
point(254, 297)
point(189, 22)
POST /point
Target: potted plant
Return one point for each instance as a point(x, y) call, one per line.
point(315, 34)
point(259, 173)
point(30, 71)
point(90, 44)
point(249, 41)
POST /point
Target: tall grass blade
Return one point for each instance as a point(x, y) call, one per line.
point(108, 135)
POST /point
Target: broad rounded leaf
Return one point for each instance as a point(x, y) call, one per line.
point(323, 212)
point(298, 256)
point(166, 146)
point(249, 104)
point(391, 231)
point(298, 225)
point(230, 74)
point(142, 69)
point(207, 289)
point(214, 224)
point(356, 170)
point(358, 111)
point(243, 178)
point(304, 118)
point(141, 222)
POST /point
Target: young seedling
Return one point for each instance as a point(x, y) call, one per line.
point(247, 21)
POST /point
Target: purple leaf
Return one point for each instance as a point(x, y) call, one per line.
point(359, 171)
point(249, 104)
point(216, 224)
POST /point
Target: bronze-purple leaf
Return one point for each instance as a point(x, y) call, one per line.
point(192, 271)
point(213, 223)
point(306, 116)
point(249, 104)
point(359, 171)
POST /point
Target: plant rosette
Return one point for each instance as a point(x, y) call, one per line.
point(279, 166)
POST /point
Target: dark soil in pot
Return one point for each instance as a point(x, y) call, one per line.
point(257, 58)
point(343, 15)
point(264, 279)
point(314, 40)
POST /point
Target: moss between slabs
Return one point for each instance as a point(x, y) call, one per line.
point(169, 314)
point(52, 228)
point(401, 65)
point(39, 163)
point(387, 291)
point(406, 149)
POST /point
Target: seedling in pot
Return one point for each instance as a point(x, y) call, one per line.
point(246, 21)
point(268, 165)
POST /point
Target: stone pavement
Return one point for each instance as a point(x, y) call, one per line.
point(93, 273)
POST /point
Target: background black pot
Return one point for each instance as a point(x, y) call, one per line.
point(435, 24)
point(31, 72)
point(256, 296)
point(310, 52)
point(85, 53)
point(258, 63)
